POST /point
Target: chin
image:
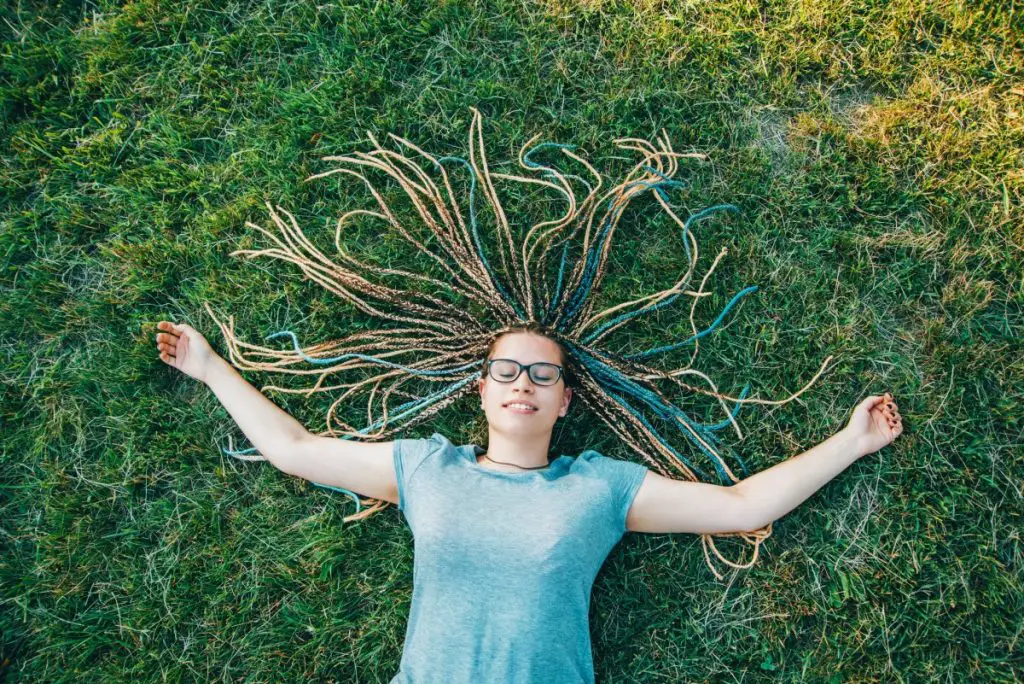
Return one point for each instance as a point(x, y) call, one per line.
point(533, 427)
point(515, 425)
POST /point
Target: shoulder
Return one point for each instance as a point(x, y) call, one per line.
point(435, 442)
point(620, 479)
point(595, 459)
point(424, 457)
point(621, 474)
point(411, 452)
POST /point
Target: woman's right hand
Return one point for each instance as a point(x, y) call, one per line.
point(183, 347)
point(875, 423)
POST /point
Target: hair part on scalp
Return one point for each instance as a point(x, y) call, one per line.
point(534, 328)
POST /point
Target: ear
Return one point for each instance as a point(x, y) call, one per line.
point(566, 398)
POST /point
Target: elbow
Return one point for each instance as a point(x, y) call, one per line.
point(753, 513)
point(757, 523)
point(285, 454)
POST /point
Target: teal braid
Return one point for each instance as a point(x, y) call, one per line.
point(703, 333)
point(582, 292)
point(476, 236)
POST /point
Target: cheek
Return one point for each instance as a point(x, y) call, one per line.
point(485, 402)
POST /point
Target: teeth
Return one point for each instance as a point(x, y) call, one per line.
point(522, 406)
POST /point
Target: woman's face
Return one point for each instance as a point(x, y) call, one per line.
point(551, 401)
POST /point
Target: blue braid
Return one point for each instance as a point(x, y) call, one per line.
point(558, 289)
point(658, 350)
point(615, 379)
point(550, 308)
point(582, 292)
point(622, 401)
point(661, 193)
point(550, 170)
point(654, 307)
point(735, 412)
point(365, 357)
point(476, 235)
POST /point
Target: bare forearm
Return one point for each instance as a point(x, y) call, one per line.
point(268, 427)
point(774, 492)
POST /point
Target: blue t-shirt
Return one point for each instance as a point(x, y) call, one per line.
point(504, 562)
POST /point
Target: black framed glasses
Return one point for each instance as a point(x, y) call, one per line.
point(540, 373)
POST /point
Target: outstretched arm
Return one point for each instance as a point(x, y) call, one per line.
point(364, 468)
point(666, 505)
point(268, 427)
point(772, 493)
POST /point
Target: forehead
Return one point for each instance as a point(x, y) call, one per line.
point(526, 348)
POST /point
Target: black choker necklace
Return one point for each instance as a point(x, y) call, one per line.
point(513, 464)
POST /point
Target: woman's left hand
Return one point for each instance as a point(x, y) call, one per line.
point(875, 423)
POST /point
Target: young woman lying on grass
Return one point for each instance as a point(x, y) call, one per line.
point(507, 541)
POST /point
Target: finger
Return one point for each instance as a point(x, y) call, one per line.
point(166, 359)
point(870, 403)
point(167, 337)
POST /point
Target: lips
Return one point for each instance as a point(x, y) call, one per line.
point(518, 408)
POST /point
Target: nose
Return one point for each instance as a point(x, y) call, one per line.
point(523, 382)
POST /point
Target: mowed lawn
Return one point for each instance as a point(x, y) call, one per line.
point(875, 151)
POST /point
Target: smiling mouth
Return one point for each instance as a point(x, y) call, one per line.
point(520, 408)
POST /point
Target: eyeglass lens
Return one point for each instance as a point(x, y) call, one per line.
point(504, 370)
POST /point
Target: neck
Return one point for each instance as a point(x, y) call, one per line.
point(526, 451)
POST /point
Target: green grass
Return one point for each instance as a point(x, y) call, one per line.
point(875, 150)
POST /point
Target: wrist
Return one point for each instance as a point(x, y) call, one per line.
point(216, 368)
point(855, 442)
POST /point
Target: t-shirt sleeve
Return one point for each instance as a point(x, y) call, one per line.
point(409, 455)
point(624, 479)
